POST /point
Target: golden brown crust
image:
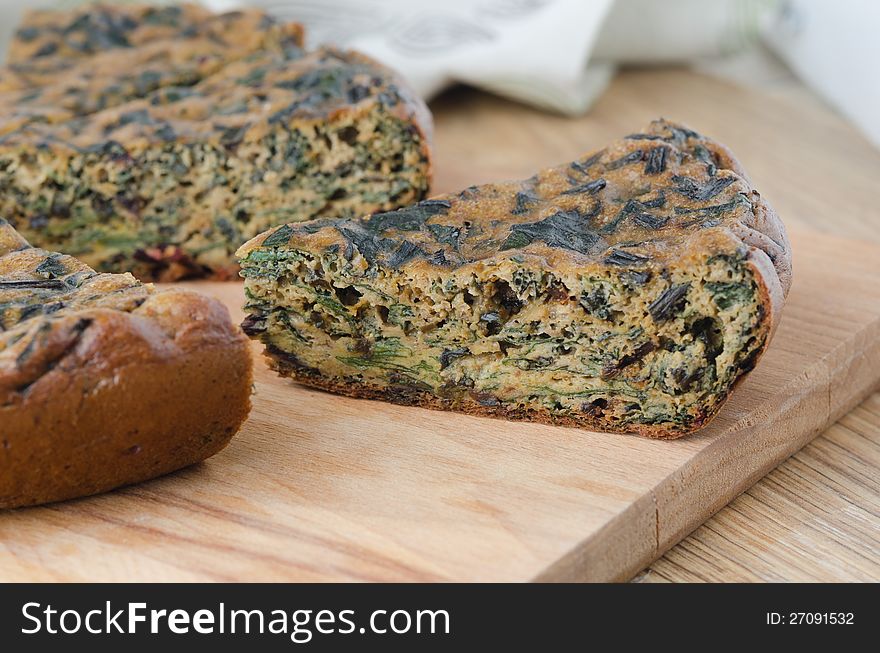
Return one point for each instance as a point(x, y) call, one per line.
point(75, 83)
point(686, 193)
point(118, 397)
point(774, 242)
point(766, 232)
point(51, 38)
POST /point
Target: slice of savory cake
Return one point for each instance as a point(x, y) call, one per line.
point(626, 291)
point(163, 156)
point(105, 381)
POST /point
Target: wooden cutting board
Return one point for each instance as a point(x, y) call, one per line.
point(320, 487)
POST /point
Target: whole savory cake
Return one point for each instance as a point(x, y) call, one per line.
point(190, 133)
point(626, 291)
point(105, 381)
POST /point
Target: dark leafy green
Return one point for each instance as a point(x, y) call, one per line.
point(656, 162)
point(410, 218)
point(589, 188)
point(570, 230)
point(624, 258)
point(669, 302)
point(730, 294)
point(280, 236)
point(628, 159)
point(701, 192)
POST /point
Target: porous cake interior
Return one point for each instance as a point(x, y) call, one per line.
point(110, 207)
point(597, 345)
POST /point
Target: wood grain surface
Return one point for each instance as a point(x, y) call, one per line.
point(817, 516)
point(322, 487)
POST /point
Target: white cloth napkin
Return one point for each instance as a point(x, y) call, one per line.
point(557, 54)
point(561, 54)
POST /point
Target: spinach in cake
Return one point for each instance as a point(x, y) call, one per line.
point(625, 291)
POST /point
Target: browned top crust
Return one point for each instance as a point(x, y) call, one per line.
point(111, 70)
point(52, 39)
point(646, 200)
point(240, 102)
point(50, 302)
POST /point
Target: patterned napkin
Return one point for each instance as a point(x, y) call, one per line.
point(556, 54)
point(561, 54)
